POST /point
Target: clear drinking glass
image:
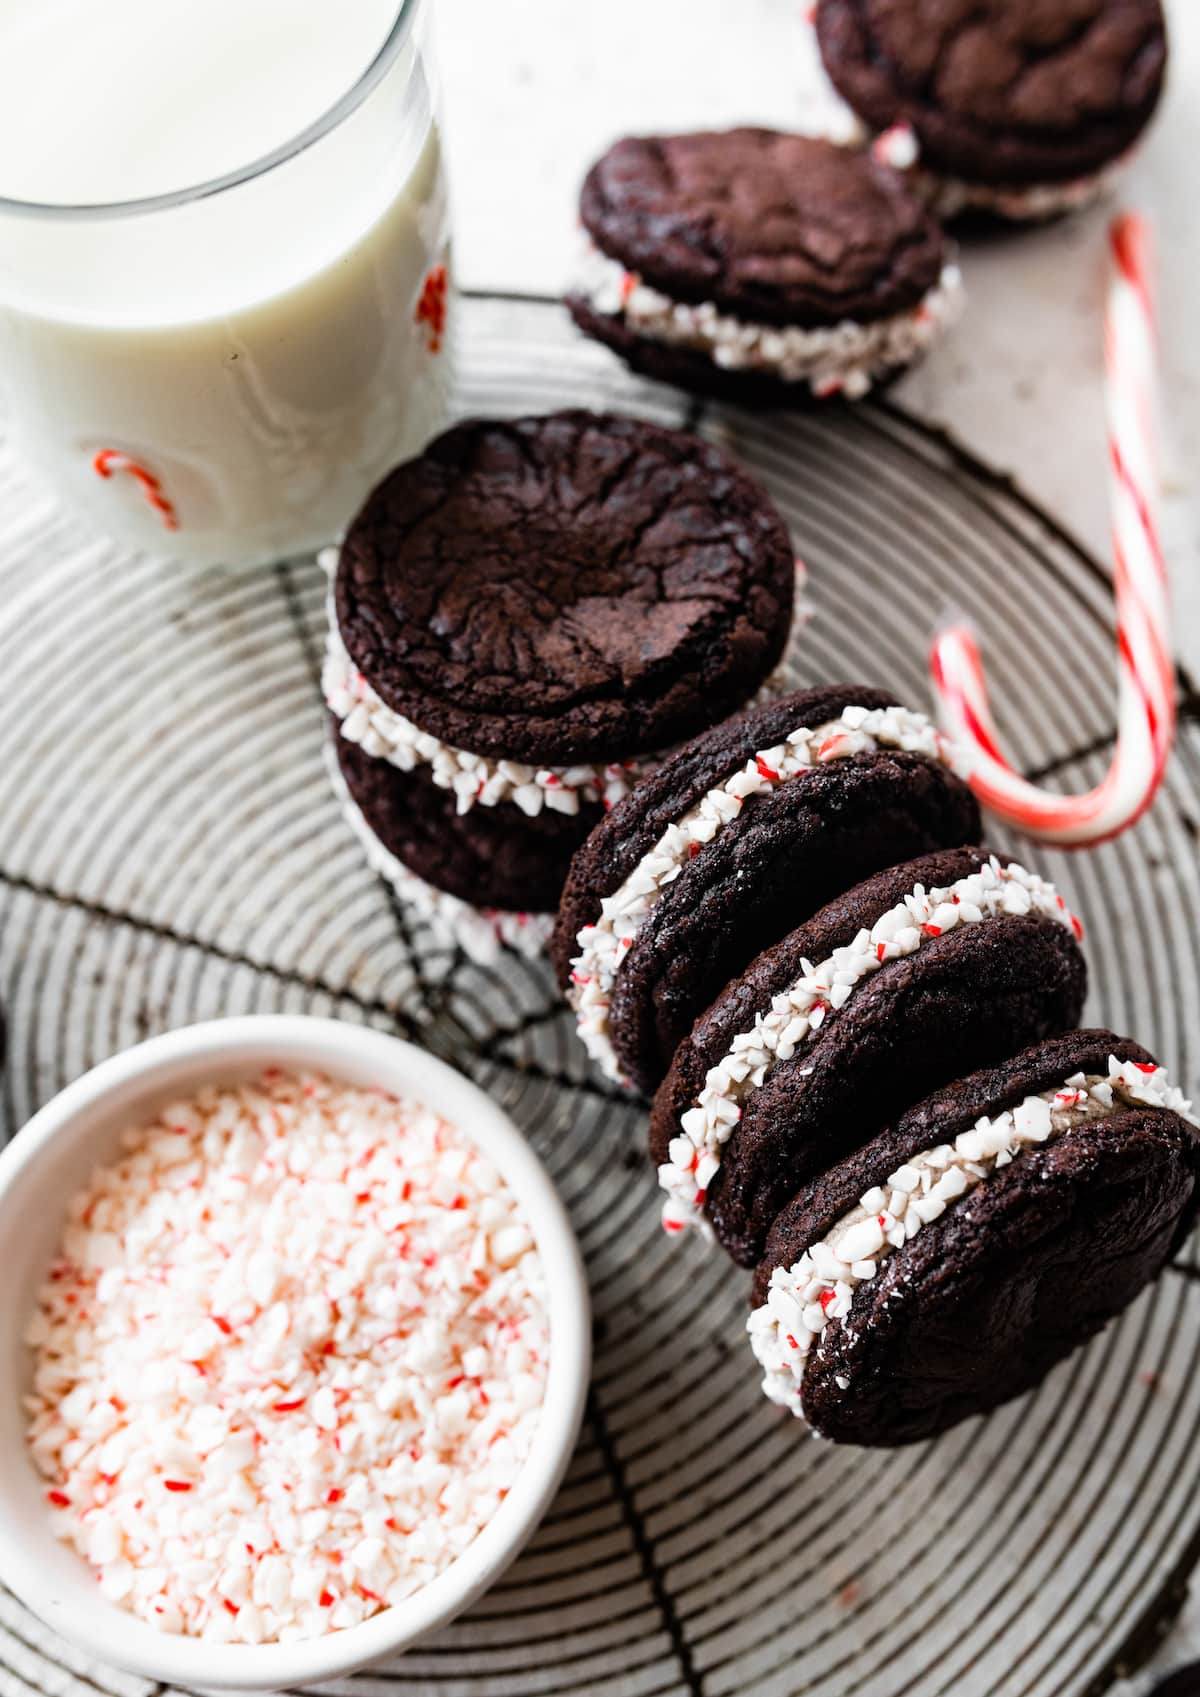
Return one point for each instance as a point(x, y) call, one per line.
point(220, 372)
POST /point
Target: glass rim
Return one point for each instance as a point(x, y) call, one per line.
point(321, 126)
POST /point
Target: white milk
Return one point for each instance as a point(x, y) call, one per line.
point(222, 379)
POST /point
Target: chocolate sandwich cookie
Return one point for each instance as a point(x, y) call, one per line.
point(1017, 110)
point(729, 844)
point(521, 619)
point(755, 262)
point(948, 1264)
point(950, 962)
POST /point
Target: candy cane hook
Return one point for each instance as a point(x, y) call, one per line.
point(111, 460)
point(1145, 673)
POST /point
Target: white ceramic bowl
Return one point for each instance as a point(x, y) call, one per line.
point(53, 1156)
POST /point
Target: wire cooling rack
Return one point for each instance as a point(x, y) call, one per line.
point(170, 851)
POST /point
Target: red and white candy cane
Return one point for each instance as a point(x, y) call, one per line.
point(1146, 680)
point(111, 460)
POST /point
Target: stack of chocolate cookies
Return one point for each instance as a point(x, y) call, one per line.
point(522, 620)
point(867, 1083)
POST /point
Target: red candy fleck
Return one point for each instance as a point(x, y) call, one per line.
point(1077, 927)
point(826, 1297)
point(335, 1496)
point(177, 1484)
point(765, 770)
point(431, 308)
point(220, 1324)
point(792, 1344)
point(287, 1407)
point(693, 850)
point(880, 950)
point(58, 1498)
point(326, 1599)
point(932, 930)
point(232, 1607)
point(1146, 1066)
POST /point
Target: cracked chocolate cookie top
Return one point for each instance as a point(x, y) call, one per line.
point(1001, 91)
point(574, 587)
point(774, 228)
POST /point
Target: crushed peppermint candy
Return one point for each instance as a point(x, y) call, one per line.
point(819, 1288)
point(897, 147)
point(290, 1357)
point(947, 197)
point(476, 780)
point(995, 891)
point(480, 932)
point(844, 358)
point(604, 945)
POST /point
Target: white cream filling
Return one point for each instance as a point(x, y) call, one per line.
point(475, 779)
point(820, 1287)
point(844, 358)
point(947, 197)
point(604, 945)
point(798, 1012)
point(479, 932)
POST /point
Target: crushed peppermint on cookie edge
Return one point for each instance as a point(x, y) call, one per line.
point(796, 1014)
point(604, 945)
point(476, 780)
point(819, 1288)
point(948, 196)
point(845, 358)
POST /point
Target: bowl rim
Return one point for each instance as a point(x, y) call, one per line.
point(123, 1638)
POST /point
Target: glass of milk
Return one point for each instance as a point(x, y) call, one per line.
point(223, 262)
